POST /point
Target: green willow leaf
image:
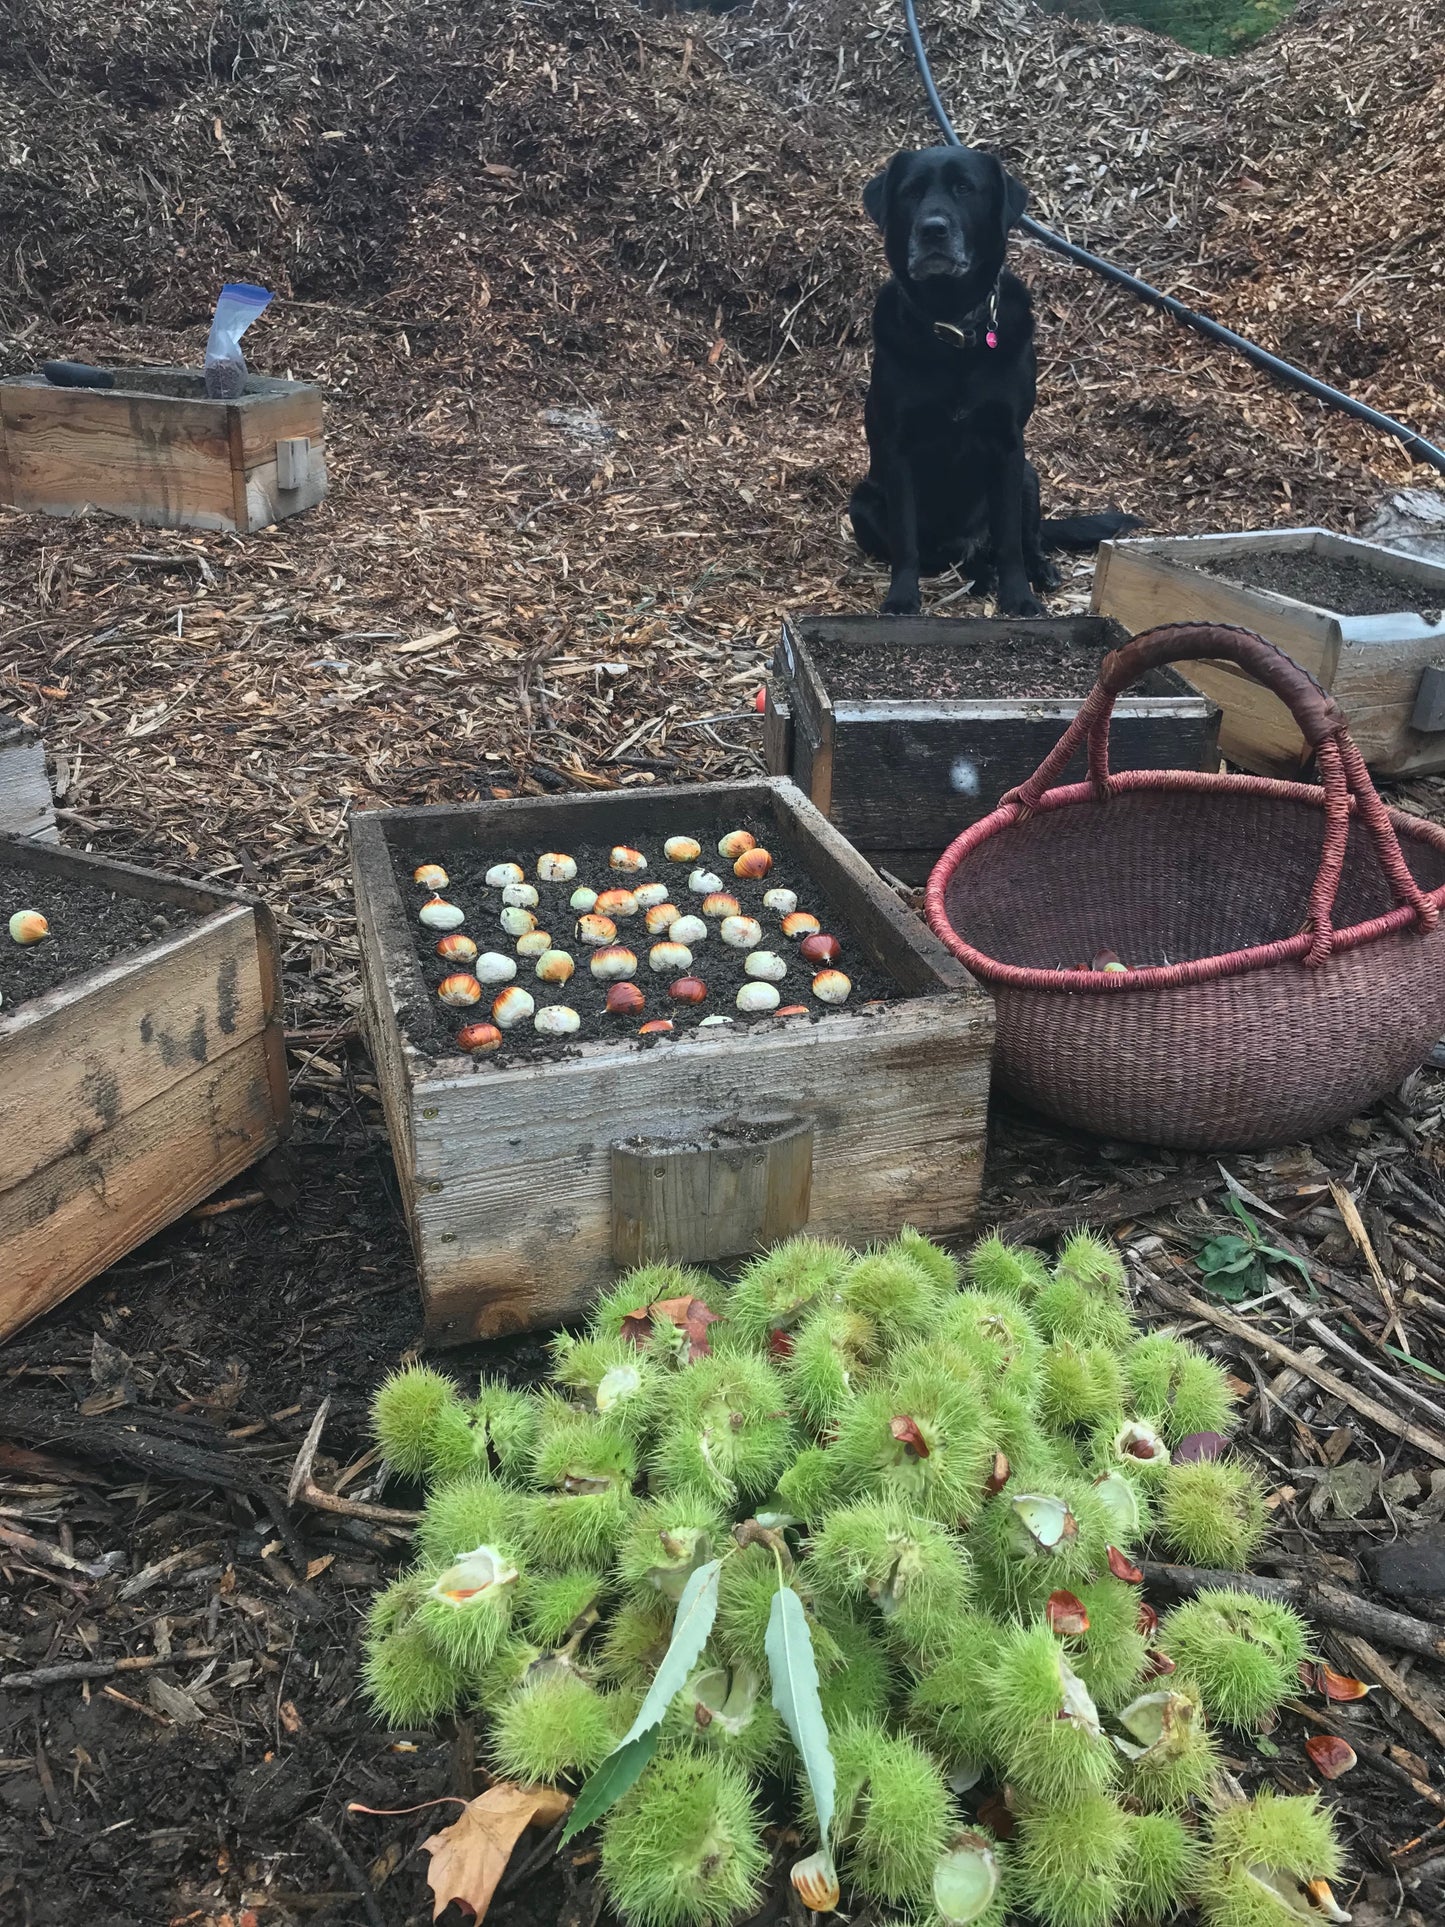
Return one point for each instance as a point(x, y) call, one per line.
point(789, 1647)
point(620, 1770)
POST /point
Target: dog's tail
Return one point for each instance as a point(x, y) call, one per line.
point(1086, 531)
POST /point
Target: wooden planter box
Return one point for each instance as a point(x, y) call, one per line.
point(155, 448)
point(526, 1188)
point(900, 778)
point(1387, 672)
point(26, 805)
point(132, 1091)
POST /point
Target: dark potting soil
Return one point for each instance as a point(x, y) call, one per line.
point(89, 926)
point(1331, 582)
point(1008, 668)
point(432, 1027)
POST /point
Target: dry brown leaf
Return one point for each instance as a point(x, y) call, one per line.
point(470, 1856)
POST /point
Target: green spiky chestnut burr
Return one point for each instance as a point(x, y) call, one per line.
point(589, 1464)
point(1093, 1263)
point(553, 1726)
point(666, 1541)
point(727, 1710)
point(422, 1426)
point(832, 1352)
point(724, 1429)
point(493, 1684)
point(994, 1266)
point(1172, 1757)
point(1163, 1862)
point(650, 1285)
point(466, 1607)
point(920, 1435)
point(809, 1487)
point(1080, 1387)
point(1110, 1657)
point(917, 1575)
point(746, 1585)
point(998, 1337)
point(1242, 1653)
point(1177, 1388)
point(777, 1292)
point(634, 1643)
point(609, 1377)
point(551, 1606)
point(1030, 1544)
point(476, 1510)
point(684, 1847)
point(948, 1706)
point(408, 1682)
point(580, 1451)
point(1263, 1856)
point(898, 1296)
point(1070, 1861)
point(1212, 1512)
point(1043, 1725)
point(508, 1418)
point(892, 1813)
point(860, 1684)
point(942, 1267)
point(1068, 1309)
point(566, 1529)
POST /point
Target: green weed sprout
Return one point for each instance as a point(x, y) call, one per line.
point(727, 1710)
point(1110, 1657)
point(1172, 1757)
point(466, 1607)
point(809, 1487)
point(1080, 1387)
point(666, 1541)
point(508, 1420)
point(1212, 1512)
point(997, 1336)
point(993, 1266)
point(1177, 1388)
point(423, 1428)
point(1264, 1861)
point(921, 1436)
point(859, 1684)
point(1163, 1862)
point(1072, 1861)
point(776, 1292)
point(892, 1818)
point(832, 1351)
point(948, 1707)
point(916, 1574)
point(1042, 1724)
point(900, 1297)
point(941, 1266)
point(684, 1848)
point(1242, 1653)
point(556, 1726)
point(553, 1605)
point(725, 1430)
point(475, 1510)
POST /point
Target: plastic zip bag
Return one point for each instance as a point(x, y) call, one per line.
point(238, 306)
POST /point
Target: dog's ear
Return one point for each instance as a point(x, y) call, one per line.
point(875, 198)
point(1015, 199)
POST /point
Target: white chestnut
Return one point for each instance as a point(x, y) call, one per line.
point(687, 930)
point(520, 896)
point(718, 903)
point(832, 987)
point(755, 999)
point(516, 921)
point(582, 898)
point(702, 883)
point(611, 961)
point(682, 849)
point(765, 964)
point(783, 902)
point(436, 913)
point(616, 903)
point(734, 843)
point(660, 918)
point(553, 867)
point(741, 933)
point(493, 968)
point(624, 857)
point(513, 1006)
point(501, 873)
point(711, 1023)
point(556, 1020)
point(594, 929)
point(672, 957)
point(534, 943)
point(431, 876)
point(555, 966)
point(801, 923)
point(648, 894)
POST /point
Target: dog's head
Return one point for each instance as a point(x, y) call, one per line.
point(945, 214)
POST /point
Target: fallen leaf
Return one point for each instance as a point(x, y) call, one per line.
point(1066, 1613)
point(691, 1316)
point(1331, 1755)
point(1200, 1445)
point(469, 1857)
point(906, 1431)
point(1121, 1567)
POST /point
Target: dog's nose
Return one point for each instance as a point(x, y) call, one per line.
point(933, 227)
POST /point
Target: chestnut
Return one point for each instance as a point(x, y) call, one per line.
point(688, 990)
point(757, 999)
point(753, 865)
point(513, 1006)
point(741, 933)
point(682, 849)
point(436, 913)
point(431, 876)
point(719, 904)
point(831, 987)
point(734, 843)
point(625, 999)
point(702, 883)
point(456, 949)
point(516, 921)
point(553, 867)
point(556, 1020)
point(624, 857)
point(661, 917)
point(594, 929)
point(782, 902)
point(792, 1010)
point(459, 989)
point(765, 964)
point(479, 1038)
point(582, 898)
point(801, 923)
point(820, 948)
point(650, 894)
point(616, 903)
point(655, 1027)
point(613, 960)
point(669, 957)
point(690, 930)
point(493, 968)
point(502, 873)
point(534, 943)
point(520, 896)
point(555, 966)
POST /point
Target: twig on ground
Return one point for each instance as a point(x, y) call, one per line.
point(302, 1489)
point(1107, 1208)
point(64, 1671)
point(1397, 1687)
point(350, 1868)
point(1375, 1754)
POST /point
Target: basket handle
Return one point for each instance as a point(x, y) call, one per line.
point(1322, 723)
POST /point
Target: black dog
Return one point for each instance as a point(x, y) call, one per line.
point(952, 388)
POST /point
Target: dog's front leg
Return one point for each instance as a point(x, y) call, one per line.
point(1006, 527)
point(903, 598)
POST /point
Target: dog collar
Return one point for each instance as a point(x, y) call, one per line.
point(968, 337)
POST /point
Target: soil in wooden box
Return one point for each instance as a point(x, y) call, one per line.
point(1020, 664)
point(721, 967)
point(1331, 582)
point(89, 926)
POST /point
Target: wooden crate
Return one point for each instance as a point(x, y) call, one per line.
point(526, 1188)
point(900, 779)
point(156, 449)
point(1385, 671)
point(26, 805)
point(132, 1091)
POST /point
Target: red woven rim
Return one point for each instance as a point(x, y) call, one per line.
point(1233, 963)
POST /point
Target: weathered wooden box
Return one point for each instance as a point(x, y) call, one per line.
point(131, 1091)
point(1386, 669)
point(26, 806)
point(526, 1188)
point(156, 449)
point(900, 775)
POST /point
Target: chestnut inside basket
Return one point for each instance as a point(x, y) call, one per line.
point(1286, 960)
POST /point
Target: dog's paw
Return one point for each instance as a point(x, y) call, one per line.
point(904, 600)
point(1021, 603)
point(1045, 574)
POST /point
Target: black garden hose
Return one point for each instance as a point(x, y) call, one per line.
point(1282, 371)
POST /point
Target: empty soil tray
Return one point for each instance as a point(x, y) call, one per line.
point(532, 1172)
point(143, 1062)
point(1367, 622)
point(903, 731)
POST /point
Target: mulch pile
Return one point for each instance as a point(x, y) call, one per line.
point(587, 289)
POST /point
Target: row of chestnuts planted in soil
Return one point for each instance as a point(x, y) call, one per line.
point(668, 935)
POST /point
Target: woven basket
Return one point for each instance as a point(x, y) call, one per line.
point(1257, 1006)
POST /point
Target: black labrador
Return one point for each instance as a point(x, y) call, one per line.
point(952, 389)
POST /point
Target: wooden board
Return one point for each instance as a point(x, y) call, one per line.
point(26, 805)
point(157, 450)
point(1371, 664)
point(720, 1194)
point(509, 1174)
point(132, 1091)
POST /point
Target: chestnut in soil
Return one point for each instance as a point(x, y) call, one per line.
point(688, 990)
point(479, 1039)
point(820, 948)
point(624, 999)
